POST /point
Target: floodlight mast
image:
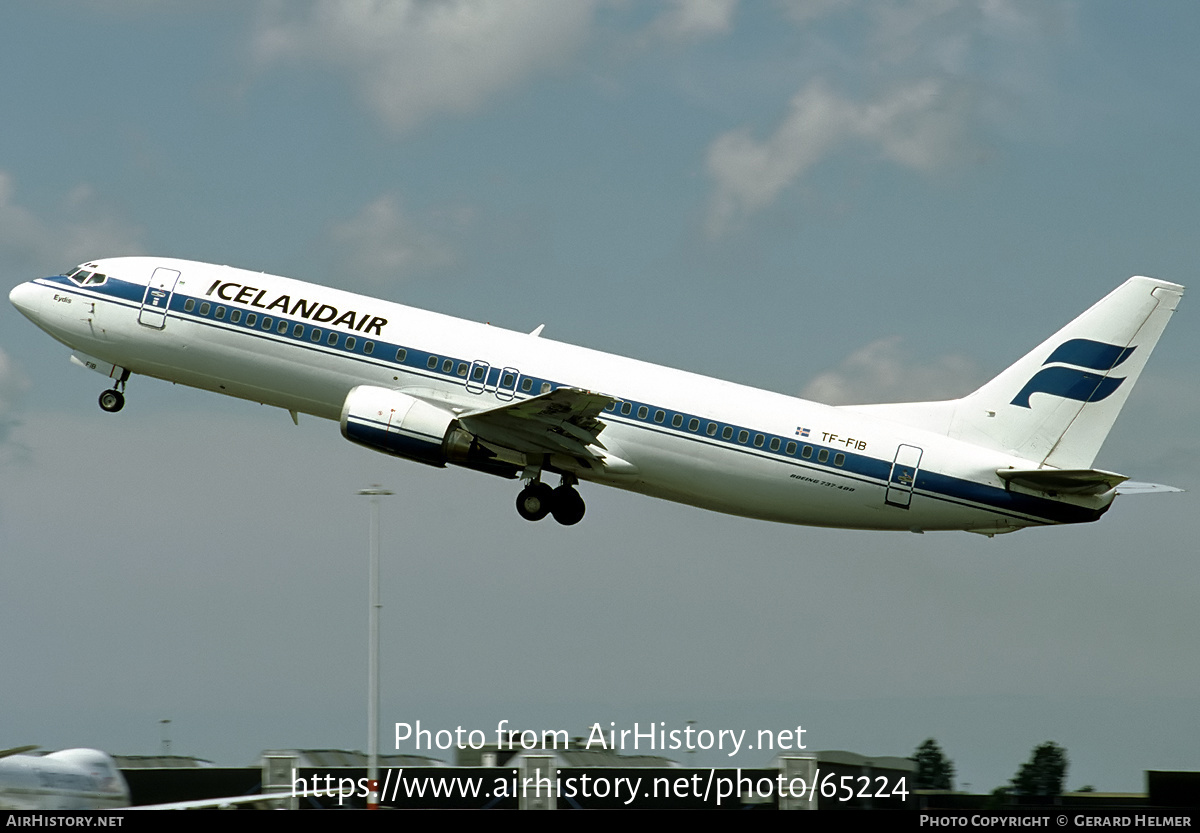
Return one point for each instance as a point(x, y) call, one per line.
point(373, 606)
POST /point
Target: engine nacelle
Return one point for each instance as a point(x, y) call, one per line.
point(396, 423)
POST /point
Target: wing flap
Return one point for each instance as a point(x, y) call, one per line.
point(562, 421)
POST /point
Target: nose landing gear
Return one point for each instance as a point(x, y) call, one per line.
point(537, 500)
point(112, 400)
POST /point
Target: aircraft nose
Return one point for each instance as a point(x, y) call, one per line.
point(24, 298)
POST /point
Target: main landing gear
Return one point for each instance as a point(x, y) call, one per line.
point(537, 500)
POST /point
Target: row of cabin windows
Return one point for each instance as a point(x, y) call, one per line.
point(479, 374)
point(315, 333)
point(508, 382)
point(727, 433)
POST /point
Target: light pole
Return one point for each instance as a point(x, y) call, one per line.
point(373, 648)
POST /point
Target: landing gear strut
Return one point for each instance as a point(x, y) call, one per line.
point(537, 500)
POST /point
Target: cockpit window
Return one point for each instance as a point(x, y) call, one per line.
point(86, 277)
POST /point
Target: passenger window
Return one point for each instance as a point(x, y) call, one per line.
point(775, 443)
point(790, 450)
point(432, 363)
point(478, 374)
point(316, 334)
point(333, 339)
point(368, 347)
point(758, 440)
point(448, 365)
point(677, 420)
point(266, 322)
point(728, 432)
point(743, 436)
point(643, 412)
point(807, 452)
point(545, 387)
point(220, 315)
point(823, 455)
point(298, 330)
point(204, 308)
point(659, 416)
point(281, 327)
point(839, 459)
point(626, 409)
point(509, 381)
point(462, 370)
point(235, 316)
point(189, 305)
point(349, 342)
point(527, 385)
point(401, 354)
point(693, 424)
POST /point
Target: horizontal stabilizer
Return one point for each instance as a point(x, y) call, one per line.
point(1064, 481)
point(1133, 487)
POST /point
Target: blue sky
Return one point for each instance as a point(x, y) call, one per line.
point(853, 201)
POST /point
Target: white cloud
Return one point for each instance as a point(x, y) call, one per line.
point(688, 20)
point(802, 11)
point(413, 60)
point(917, 125)
point(81, 229)
point(882, 371)
point(383, 243)
point(935, 70)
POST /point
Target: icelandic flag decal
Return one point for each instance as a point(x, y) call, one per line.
point(801, 432)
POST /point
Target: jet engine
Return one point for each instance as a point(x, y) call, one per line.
point(401, 425)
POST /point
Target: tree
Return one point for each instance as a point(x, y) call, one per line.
point(1044, 773)
point(934, 770)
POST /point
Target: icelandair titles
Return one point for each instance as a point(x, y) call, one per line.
point(321, 313)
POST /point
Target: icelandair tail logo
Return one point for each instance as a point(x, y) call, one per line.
point(1074, 382)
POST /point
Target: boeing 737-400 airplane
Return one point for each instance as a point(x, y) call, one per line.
point(1017, 452)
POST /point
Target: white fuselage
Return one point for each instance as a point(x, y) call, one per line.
point(683, 437)
point(73, 779)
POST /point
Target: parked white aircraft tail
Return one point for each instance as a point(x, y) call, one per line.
point(1017, 452)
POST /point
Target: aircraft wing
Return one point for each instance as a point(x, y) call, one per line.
point(563, 421)
point(217, 803)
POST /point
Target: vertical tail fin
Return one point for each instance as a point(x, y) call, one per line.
point(1057, 404)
